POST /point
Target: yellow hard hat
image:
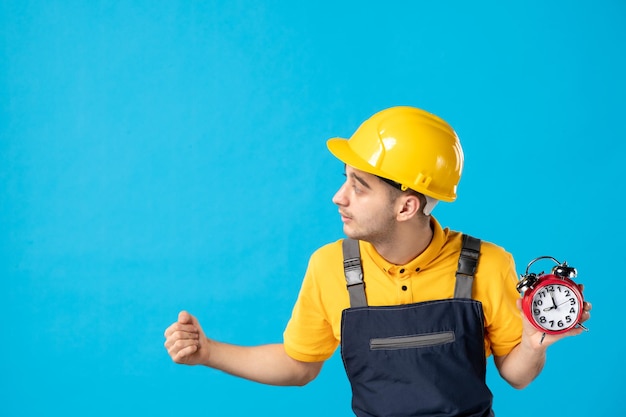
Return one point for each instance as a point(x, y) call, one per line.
point(409, 146)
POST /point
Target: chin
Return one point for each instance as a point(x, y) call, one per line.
point(349, 233)
point(352, 234)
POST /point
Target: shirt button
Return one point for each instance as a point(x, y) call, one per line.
point(404, 288)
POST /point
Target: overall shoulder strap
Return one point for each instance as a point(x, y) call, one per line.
point(468, 260)
point(353, 272)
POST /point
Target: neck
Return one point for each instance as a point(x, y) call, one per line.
point(406, 243)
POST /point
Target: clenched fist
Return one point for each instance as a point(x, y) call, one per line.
point(185, 341)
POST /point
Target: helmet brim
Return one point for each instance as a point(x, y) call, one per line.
point(341, 149)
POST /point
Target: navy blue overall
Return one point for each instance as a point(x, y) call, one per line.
point(422, 359)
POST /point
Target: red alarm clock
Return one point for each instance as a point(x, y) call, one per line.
point(552, 302)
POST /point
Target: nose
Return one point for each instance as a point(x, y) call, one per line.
point(340, 198)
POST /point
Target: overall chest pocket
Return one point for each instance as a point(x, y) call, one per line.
point(412, 341)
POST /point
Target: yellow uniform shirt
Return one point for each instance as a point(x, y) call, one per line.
point(314, 330)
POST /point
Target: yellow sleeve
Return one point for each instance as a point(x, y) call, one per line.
point(503, 320)
point(309, 335)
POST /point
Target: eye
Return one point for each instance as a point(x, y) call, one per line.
point(351, 182)
point(356, 187)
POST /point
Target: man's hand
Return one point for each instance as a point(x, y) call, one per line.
point(185, 341)
point(522, 365)
point(268, 364)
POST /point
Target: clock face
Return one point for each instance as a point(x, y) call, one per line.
point(555, 307)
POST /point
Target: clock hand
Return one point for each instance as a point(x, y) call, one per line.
point(554, 306)
point(569, 300)
point(553, 302)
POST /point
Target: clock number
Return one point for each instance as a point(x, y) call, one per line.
point(572, 310)
point(558, 323)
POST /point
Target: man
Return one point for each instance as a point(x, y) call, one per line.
point(415, 307)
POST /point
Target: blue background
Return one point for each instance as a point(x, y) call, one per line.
point(166, 155)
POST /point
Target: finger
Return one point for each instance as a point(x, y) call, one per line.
point(585, 316)
point(180, 327)
point(574, 332)
point(182, 355)
point(175, 346)
point(174, 337)
point(186, 318)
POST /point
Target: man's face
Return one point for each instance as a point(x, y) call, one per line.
point(366, 207)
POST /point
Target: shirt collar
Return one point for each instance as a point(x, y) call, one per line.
point(421, 261)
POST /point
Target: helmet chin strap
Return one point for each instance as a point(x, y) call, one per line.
point(430, 205)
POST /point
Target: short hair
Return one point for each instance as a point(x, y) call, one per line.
point(395, 190)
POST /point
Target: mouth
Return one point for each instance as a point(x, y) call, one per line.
point(344, 217)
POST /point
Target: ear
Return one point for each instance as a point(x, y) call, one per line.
point(408, 207)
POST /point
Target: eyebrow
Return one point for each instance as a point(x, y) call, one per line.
point(361, 180)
